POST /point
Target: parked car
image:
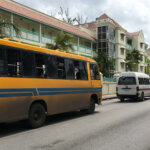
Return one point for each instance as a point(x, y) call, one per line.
point(133, 85)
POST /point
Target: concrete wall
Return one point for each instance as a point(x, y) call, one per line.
point(109, 88)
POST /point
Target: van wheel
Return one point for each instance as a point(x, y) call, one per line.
point(121, 99)
point(37, 115)
point(142, 96)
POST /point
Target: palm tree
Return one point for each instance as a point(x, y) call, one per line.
point(5, 24)
point(62, 41)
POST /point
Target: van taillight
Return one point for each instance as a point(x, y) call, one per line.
point(116, 89)
point(137, 88)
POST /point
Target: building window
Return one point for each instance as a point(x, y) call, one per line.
point(129, 42)
point(141, 68)
point(141, 45)
point(122, 65)
point(122, 36)
point(122, 51)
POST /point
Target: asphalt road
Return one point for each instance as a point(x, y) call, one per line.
point(114, 126)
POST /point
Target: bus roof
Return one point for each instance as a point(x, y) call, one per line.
point(19, 44)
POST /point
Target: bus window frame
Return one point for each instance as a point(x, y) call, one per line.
point(44, 54)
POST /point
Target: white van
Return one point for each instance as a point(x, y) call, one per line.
point(133, 85)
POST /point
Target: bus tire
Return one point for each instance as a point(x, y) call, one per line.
point(37, 115)
point(142, 96)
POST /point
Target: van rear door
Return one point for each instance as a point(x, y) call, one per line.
point(127, 85)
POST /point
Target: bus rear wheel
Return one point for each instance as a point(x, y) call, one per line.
point(37, 115)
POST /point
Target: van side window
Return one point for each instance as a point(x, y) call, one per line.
point(94, 72)
point(141, 81)
point(146, 81)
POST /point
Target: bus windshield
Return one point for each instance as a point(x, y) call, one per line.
point(127, 81)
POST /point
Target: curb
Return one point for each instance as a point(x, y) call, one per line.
point(108, 98)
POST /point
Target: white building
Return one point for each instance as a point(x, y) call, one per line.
point(116, 41)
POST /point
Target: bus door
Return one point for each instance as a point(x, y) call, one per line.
point(95, 79)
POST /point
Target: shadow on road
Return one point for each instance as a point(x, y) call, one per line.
point(133, 100)
point(22, 126)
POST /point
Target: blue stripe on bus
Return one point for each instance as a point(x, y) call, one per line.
point(15, 94)
point(65, 89)
point(73, 92)
point(46, 91)
point(32, 90)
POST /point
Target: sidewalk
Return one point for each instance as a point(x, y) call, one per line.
point(104, 97)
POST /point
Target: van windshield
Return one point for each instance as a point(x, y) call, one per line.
point(127, 81)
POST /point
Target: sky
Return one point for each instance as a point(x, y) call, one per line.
point(133, 15)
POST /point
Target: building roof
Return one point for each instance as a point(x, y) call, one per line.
point(105, 16)
point(148, 49)
point(89, 25)
point(133, 33)
point(41, 17)
point(92, 25)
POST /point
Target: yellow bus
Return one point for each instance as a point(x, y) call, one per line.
point(36, 82)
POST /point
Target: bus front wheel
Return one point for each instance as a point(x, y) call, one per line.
point(37, 115)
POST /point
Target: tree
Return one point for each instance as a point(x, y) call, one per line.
point(65, 17)
point(80, 20)
point(4, 24)
point(133, 58)
point(147, 68)
point(104, 63)
point(62, 41)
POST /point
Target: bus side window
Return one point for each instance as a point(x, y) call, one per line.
point(28, 64)
point(61, 68)
point(51, 67)
point(94, 72)
point(14, 63)
point(2, 61)
point(40, 66)
point(69, 66)
point(80, 70)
